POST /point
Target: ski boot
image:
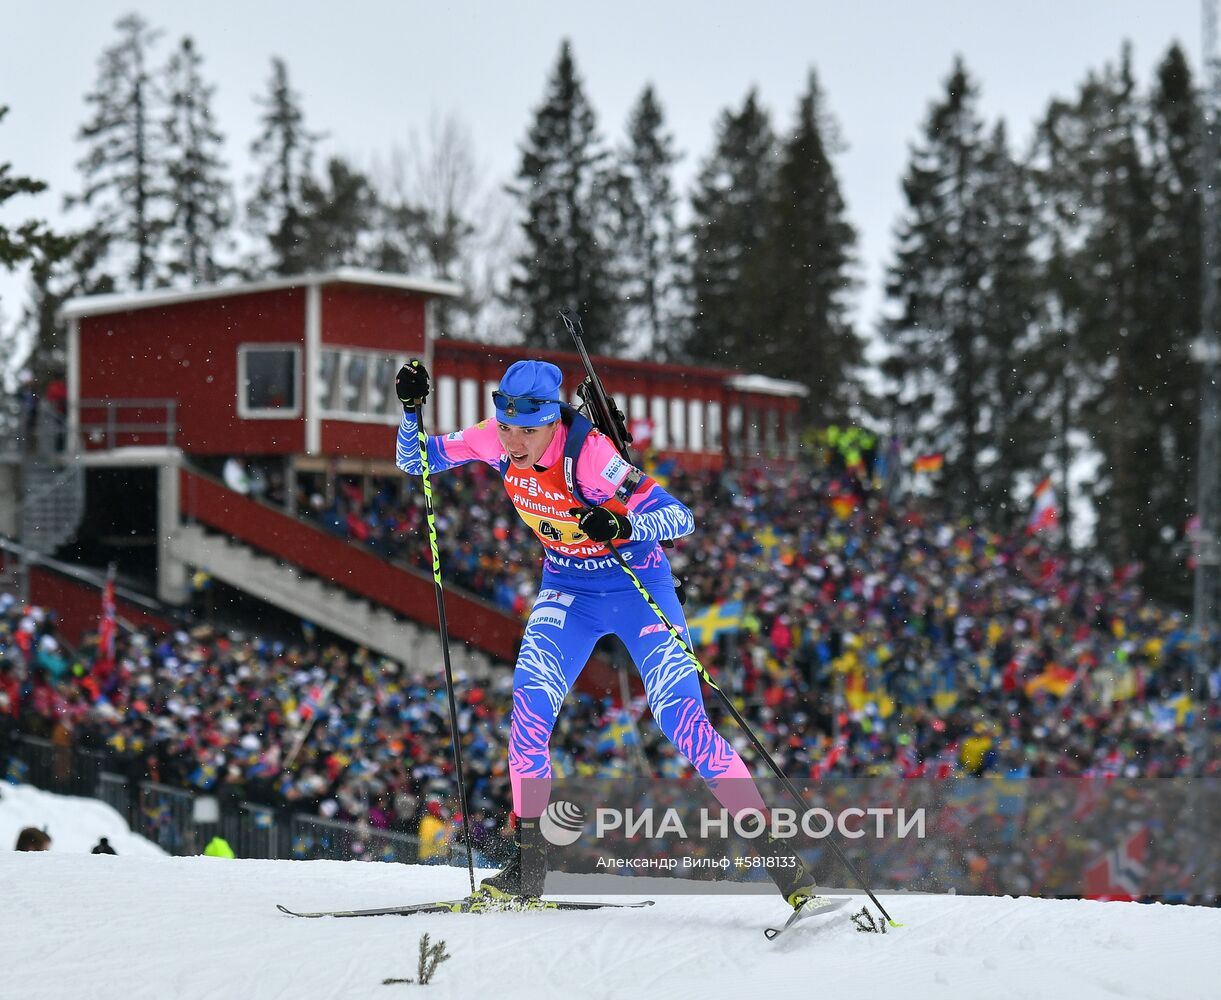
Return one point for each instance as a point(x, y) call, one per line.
point(788, 871)
point(521, 881)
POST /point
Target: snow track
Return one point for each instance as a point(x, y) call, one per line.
point(130, 927)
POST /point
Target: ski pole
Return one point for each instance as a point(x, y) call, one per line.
point(612, 420)
point(455, 743)
point(759, 747)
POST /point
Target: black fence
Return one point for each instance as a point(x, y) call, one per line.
point(182, 822)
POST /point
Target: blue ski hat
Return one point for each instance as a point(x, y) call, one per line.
point(529, 394)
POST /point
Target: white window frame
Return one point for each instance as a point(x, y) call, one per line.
point(265, 413)
point(392, 408)
point(390, 416)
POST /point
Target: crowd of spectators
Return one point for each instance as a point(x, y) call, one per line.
point(880, 636)
point(308, 728)
point(865, 638)
point(485, 548)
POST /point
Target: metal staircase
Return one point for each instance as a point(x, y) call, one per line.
point(52, 503)
point(10, 577)
point(52, 493)
point(42, 487)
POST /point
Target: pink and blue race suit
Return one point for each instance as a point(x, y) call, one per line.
point(585, 595)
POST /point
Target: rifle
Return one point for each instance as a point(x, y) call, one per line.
point(603, 412)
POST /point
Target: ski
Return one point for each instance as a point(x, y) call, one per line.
point(814, 907)
point(471, 904)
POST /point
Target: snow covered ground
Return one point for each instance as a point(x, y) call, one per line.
point(140, 926)
point(74, 824)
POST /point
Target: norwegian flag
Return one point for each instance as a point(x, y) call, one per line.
point(822, 768)
point(961, 809)
point(641, 429)
point(315, 700)
point(107, 628)
point(910, 764)
point(944, 763)
point(1110, 767)
point(1011, 676)
point(1046, 512)
point(1118, 873)
point(1091, 793)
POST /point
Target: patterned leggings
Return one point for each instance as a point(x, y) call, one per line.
point(568, 619)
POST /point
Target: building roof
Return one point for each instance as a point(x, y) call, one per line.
point(761, 384)
point(768, 386)
point(93, 305)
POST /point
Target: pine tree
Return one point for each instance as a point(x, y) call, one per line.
point(563, 190)
point(397, 246)
point(1120, 327)
point(284, 150)
point(124, 167)
point(648, 232)
point(1014, 422)
point(31, 240)
point(1062, 372)
point(1120, 174)
point(31, 244)
point(1109, 186)
point(200, 196)
point(82, 271)
point(1173, 117)
point(960, 282)
point(729, 284)
point(810, 336)
point(934, 345)
point(338, 219)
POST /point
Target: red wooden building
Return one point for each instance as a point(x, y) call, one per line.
point(304, 368)
point(229, 364)
point(164, 386)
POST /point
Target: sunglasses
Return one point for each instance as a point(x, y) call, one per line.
point(525, 405)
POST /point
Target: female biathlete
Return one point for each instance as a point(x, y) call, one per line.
point(579, 495)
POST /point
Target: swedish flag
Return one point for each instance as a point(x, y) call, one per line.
point(658, 469)
point(713, 621)
point(945, 690)
point(618, 732)
point(767, 540)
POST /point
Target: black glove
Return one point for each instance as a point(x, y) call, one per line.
point(602, 525)
point(411, 384)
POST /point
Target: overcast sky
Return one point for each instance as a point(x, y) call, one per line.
point(369, 72)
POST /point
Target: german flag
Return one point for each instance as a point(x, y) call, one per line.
point(929, 463)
